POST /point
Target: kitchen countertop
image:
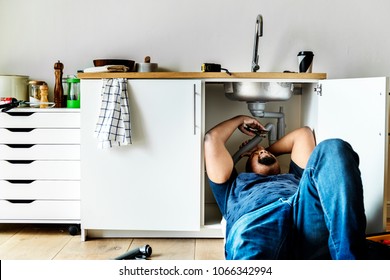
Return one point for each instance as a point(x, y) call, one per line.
point(203, 75)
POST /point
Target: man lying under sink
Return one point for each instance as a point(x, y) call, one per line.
point(315, 211)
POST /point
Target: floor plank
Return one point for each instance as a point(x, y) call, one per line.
point(35, 243)
point(168, 248)
point(9, 230)
point(209, 249)
point(94, 249)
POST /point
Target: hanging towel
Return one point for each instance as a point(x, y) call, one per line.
point(113, 127)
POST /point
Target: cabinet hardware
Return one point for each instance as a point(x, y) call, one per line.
point(194, 109)
point(20, 181)
point(20, 146)
point(20, 161)
point(20, 129)
point(20, 114)
point(20, 201)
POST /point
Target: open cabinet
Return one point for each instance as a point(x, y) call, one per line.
point(357, 111)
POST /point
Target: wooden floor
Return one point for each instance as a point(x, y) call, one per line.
point(53, 242)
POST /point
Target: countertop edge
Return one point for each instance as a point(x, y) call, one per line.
point(44, 110)
point(203, 75)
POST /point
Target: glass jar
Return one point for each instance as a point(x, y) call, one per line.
point(65, 91)
point(35, 92)
point(73, 99)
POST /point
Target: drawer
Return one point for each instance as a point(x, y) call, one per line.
point(39, 209)
point(39, 136)
point(30, 119)
point(39, 152)
point(40, 169)
point(38, 189)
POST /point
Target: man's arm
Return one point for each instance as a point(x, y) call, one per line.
point(219, 162)
point(299, 143)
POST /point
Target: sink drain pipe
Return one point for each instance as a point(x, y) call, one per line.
point(257, 110)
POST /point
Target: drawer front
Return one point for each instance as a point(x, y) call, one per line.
point(44, 170)
point(39, 136)
point(39, 152)
point(39, 209)
point(37, 189)
point(17, 119)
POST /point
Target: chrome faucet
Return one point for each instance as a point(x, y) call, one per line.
point(258, 34)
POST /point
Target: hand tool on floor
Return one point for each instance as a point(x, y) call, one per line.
point(137, 253)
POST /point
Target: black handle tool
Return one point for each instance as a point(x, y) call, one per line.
point(137, 253)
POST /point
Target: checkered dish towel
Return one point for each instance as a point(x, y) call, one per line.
point(113, 126)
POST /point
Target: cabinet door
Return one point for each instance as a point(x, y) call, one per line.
point(154, 183)
point(356, 110)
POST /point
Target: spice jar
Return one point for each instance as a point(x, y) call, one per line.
point(73, 93)
point(44, 94)
point(35, 92)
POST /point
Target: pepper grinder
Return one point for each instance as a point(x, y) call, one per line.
point(58, 89)
point(44, 94)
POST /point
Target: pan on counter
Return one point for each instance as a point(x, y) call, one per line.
point(125, 62)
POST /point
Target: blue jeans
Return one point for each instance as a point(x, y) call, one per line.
point(328, 209)
point(324, 219)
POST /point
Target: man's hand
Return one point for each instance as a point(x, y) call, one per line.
point(251, 126)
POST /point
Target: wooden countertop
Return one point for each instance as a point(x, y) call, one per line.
point(203, 75)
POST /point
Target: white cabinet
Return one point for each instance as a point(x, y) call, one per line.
point(40, 166)
point(153, 186)
point(357, 110)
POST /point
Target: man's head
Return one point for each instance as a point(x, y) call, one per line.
point(262, 162)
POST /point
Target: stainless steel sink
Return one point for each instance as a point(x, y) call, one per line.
point(258, 91)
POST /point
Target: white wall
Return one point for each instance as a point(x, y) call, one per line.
point(349, 38)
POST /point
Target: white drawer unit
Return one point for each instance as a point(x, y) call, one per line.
point(40, 166)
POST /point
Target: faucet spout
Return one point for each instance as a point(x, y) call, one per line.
point(258, 34)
